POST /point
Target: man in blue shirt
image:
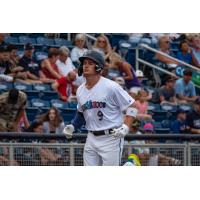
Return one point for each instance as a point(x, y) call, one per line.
point(180, 124)
point(184, 53)
point(184, 88)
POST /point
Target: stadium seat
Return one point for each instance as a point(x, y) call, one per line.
point(169, 107)
point(42, 87)
point(185, 107)
point(31, 113)
point(48, 95)
point(40, 55)
point(4, 86)
point(11, 40)
point(45, 41)
point(73, 104)
point(32, 94)
point(39, 103)
point(68, 114)
point(130, 57)
point(62, 42)
point(59, 104)
point(22, 86)
point(116, 37)
point(25, 39)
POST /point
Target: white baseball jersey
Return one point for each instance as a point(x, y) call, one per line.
point(103, 104)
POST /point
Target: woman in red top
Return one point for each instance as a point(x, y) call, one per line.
point(48, 66)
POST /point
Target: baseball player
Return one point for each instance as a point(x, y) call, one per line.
point(101, 103)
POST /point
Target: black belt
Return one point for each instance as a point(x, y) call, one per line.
point(105, 132)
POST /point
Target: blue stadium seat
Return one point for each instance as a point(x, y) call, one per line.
point(59, 104)
point(62, 42)
point(39, 103)
point(31, 113)
point(40, 55)
point(32, 94)
point(169, 107)
point(45, 41)
point(49, 95)
point(68, 114)
point(130, 57)
point(42, 87)
point(25, 39)
point(185, 107)
point(153, 107)
point(22, 86)
point(4, 86)
point(166, 123)
point(116, 37)
point(73, 104)
point(11, 40)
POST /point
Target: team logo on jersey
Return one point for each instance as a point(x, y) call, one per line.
point(93, 104)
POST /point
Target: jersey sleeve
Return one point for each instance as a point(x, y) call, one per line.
point(122, 98)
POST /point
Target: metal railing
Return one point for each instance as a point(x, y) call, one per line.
point(28, 149)
point(145, 46)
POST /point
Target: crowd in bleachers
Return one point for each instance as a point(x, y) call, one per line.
point(44, 67)
point(39, 79)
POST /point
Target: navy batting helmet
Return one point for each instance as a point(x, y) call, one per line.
point(96, 56)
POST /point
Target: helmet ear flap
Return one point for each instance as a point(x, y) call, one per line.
point(98, 68)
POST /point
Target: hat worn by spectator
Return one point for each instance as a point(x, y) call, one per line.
point(187, 72)
point(139, 74)
point(28, 46)
point(148, 127)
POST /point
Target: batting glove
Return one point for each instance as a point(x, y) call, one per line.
point(68, 131)
point(121, 131)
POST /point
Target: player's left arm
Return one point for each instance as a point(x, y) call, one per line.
point(123, 130)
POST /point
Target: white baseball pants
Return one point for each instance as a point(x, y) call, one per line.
point(103, 150)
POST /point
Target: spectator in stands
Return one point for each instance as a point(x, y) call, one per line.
point(164, 46)
point(4, 66)
point(185, 89)
point(102, 44)
point(196, 50)
point(29, 63)
point(184, 52)
point(193, 119)
point(166, 93)
point(120, 68)
point(14, 58)
point(142, 105)
point(64, 85)
point(180, 124)
point(52, 122)
point(12, 107)
point(79, 49)
point(49, 69)
point(15, 70)
point(64, 62)
point(46, 156)
point(135, 130)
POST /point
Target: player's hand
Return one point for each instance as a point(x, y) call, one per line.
point(121, 131)
point(68, 131)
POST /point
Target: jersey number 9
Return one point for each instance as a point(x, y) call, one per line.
point(100, 115)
